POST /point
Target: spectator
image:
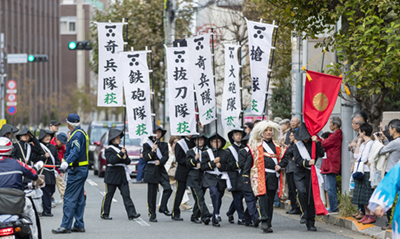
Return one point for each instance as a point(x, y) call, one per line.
point(248, 127)
point(54, 125)
point(331, 165)
point(60, 141)
point(141, 164)
point(362, 187)
point(294, 125)
point(285, 127)
point(256, 122)
point(393, 148)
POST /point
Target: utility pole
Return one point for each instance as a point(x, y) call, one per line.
point(2, 59)
point(299, 81)
point(80, 36)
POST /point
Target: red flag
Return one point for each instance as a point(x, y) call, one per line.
point(320, 96)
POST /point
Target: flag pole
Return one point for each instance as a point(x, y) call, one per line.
point(126, 48)
point(215, 86)
point(270, 73)
point(152, 87)
point(241, 83)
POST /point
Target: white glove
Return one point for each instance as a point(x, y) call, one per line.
point(39, 165)
point(64, 166)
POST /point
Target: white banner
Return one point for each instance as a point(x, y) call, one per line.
point(134, 73)
point(180, 90)
point(231, 105)
point(260, 43)
point(109, 89)
point(202, 71)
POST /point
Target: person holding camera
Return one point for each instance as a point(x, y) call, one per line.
point(155, 153)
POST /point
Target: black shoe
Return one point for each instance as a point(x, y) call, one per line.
point(166, 213)
point(268, 230)
point(206, 221)
point(74, 229)
point(218, 218)
point(216, 224)
point(264, 225)
point(152, 220)
point(106, 218)
point(312, 228)
point(134, 216)
point(195, 220)
point(231, 220)
point(47, 214)
point(241, 222)
point(293, 211)
point(249, 224)
point(177, 218)
point(257, 222)
point(61, 230)
point(303, 221)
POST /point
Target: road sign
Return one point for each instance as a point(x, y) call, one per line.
point(11, 103)
point(11, 110)
point(17, 58)
point(11, 97)
point(11, 91)
point(11, 84)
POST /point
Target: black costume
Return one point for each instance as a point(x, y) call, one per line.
point(302, 176)
point(213, 176)
point(181, 175)
point(234, 174)
point(156, 174)
point(116, 177)
point(195, 182)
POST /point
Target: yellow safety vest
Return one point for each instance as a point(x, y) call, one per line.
point(83, 163)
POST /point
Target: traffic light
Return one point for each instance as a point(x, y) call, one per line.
point(80, 45)
point(37, 58)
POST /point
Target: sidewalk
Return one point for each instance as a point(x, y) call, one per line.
point(373, 230)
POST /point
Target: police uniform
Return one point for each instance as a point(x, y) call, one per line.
point(156, 174)
point(181, 175)
point(234, 173)
point(215, 179)
point(76, 156)
point(195, 182)
point(116, 176)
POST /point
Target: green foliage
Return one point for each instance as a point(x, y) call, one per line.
point(280, 102)
point(346, 207)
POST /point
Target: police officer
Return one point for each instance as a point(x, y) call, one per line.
point(195, 180)
point(235, 136)
point(155, 153)
point(76, 158)
point(117, 176)
point(214, 162)
point(181, 175)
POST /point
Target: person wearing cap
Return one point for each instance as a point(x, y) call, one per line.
point(215, 164)
point(76, 157)
point(116, 176)
point(302, 174)
point(59, 142)
point(235, 137)
point(251, 215)
point(181, 174)
point(54, 125)
point(265, 153)
point(49, 156)
point(8, 130)
point(195, 180)
point(156, 154)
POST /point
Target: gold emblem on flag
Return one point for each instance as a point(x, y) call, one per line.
point(320, 101)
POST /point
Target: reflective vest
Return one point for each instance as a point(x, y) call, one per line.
point(86, 162)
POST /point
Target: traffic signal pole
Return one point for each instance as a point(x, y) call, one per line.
point(2, 74)
point(80, 55)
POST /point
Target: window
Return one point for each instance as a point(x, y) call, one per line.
point(68, 25)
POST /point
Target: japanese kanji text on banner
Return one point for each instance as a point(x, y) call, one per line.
point(109, 90)
point(134, 73)
point(260, 43)
point(202, 71)
point(181, 95)
point(231, 105)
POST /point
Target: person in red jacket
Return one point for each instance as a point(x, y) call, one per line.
point(60, 141)
point(331, 165)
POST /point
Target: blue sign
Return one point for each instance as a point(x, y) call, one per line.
point(11, 110)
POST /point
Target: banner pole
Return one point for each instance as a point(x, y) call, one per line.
point(126, 48)
point(241, 83)
point(215, 85)
point(152, 87)
point(270, 73)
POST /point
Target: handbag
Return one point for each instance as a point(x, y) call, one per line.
point(172, 170)
point(359, 170)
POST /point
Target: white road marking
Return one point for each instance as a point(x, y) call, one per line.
point(91, 182)
point(141, 222)
point(103, 193)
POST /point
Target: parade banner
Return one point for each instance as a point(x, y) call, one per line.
point(260, 44)
point(202, 70)
point(180, 89)
point(134, 73)
point(109, 89)
point(231, 105)
point(320, 96)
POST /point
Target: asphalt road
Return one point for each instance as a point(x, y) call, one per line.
point(121, 227)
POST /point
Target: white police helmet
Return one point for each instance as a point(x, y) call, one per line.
point(5, 146)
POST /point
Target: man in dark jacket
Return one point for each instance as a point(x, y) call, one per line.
point(155, 153)
point(181, 175)
point(302, 175)
point(116, 176)
point(195, 180)
point(235, 137)
point(215, 164)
